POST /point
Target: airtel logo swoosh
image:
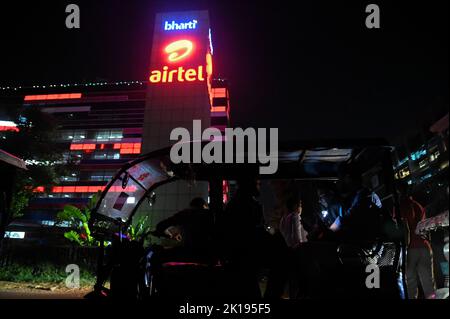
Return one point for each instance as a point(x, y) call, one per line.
point(178, 50)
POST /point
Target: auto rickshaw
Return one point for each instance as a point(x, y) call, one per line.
point(132, 269)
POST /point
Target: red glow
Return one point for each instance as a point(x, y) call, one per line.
point(42, 97)
point(95, 189)
point(218, 109)
point(118, 189)
point(9, 128)
point(125, 148)
point(85, 189)
point(81, 189)
point(86, 147)
point(178, 50)
point(225, 191)
point(178, 75)
point(209, 65)
point(128, 148)
point(219, 92)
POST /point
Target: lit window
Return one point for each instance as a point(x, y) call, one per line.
point(48, 222)
point(79, 135)
point(15, 234)
point(116, 134)
point(103, 135)
point(418, 154)
point(113, 155)
point(100, 155)
point(128, 148)
point(404, 172)
point(436, 154)
point(63, 224)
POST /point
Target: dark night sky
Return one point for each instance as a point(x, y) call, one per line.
point(311, 69)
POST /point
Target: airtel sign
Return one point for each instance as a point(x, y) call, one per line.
point(180, 74)
point(178, 51)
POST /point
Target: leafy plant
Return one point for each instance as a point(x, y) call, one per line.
point(138, 230)
point(78, 220)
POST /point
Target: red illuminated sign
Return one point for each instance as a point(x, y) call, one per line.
point(178, 75)
point(178, 50)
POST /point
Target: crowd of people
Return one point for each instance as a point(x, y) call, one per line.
point(299, 250)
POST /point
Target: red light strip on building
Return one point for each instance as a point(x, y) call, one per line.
point(75, 147)
point(218, 109)
point(42, 97)
point(85, 189)
point(125, 148)
point(8, 128)
point(128, 148)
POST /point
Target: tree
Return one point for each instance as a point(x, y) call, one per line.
point(35, 143)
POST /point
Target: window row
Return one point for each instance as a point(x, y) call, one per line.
point(100, 135)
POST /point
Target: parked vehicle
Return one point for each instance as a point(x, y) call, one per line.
point(136, 274)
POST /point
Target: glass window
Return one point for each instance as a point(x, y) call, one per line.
point(113, 155)
point(48, 222)
point(404, 172)
point(100, 155)
point(97, 178)
point(79, 135)
point(69, 178)
point(423, 163)
point(115, 134)
point(103, 135)
point(65, 135)
point(101, 176)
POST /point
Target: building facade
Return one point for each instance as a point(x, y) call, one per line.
point(99, 127)
point(102, 125)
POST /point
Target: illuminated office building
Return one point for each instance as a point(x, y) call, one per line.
point(103, 125)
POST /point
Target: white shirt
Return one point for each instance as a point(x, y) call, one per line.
point(292, 229)
point(301, 232)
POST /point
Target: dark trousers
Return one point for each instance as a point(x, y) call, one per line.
point(278, 260)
